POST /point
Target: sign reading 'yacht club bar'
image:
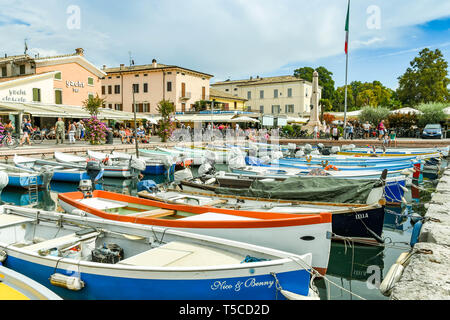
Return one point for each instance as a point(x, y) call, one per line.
point(75, 85)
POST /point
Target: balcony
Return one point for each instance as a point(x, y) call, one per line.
point(185, 96)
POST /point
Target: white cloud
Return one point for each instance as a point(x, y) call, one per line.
point(227, 38)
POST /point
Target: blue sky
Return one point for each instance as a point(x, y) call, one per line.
point(235, 38)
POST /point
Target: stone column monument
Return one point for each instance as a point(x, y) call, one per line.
point(315, 111)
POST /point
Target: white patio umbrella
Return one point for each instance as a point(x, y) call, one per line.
point(407, 110)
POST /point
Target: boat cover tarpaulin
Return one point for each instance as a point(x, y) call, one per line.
point(323, 189)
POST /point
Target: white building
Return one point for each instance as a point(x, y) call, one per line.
point(282, 95)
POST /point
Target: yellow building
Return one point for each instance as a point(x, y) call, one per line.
point(226, 101)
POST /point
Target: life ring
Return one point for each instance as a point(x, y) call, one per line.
point(331, 167)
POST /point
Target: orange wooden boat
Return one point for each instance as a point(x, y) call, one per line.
point(298, 234)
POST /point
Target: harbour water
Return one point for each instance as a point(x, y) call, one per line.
point(355, 270)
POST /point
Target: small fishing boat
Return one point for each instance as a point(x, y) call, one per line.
point(153, 166)
point(114, 168)
point(195, 158)
point(21, 177)
point(98, 259)
point(301, 234)
point(16, 286)
point(219, 156)
point(394, 188)
point(397, 152)
point(67, 172)
point(357, 208)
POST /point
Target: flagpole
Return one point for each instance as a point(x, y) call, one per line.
point(347, 29)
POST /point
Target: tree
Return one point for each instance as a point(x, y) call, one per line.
point(93, 105)
point(373, 115)
point(426, 80)
point(325, 79)
point(431, 113)
point(200, 105)
point(166, 125)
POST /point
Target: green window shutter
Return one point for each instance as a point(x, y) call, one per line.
point(58, 96)
point(58, 76)
point(90, 81)
point(36, 95)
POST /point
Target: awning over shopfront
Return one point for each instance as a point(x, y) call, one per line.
point(64, 111)
point(297, 120)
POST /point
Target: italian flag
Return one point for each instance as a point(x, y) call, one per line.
point(347, 27)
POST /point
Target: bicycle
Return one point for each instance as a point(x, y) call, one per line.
point(8, 140)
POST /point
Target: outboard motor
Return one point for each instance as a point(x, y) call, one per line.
point(95, 171)
point(137, 166)
point(46, 174)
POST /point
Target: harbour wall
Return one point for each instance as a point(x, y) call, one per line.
point(427, 276)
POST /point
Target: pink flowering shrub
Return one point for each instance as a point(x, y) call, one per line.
point(95, 130)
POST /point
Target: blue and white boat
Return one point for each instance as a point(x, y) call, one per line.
point(79, 257)
point(376, 167)
point(21, 177)
point(61, 172)
point(163, 164)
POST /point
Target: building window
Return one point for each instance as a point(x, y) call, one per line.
point(235, 105)
point(276, 109)
point(58, 76)
point(136, 87)
point(145, 74)
point(249, 95)
point(289, 93)
point(36, 95)
point(103, 90)
point(117, 89)
point(145, 87)
point(146, 107)
point(136, 75)
point(227, 90)
point(109, 89)
point(90, 81)
point(261, 94)
point(261, 109)
point(306, 92)
point(118, 106)
point(275, 93)
point(22, 69)
point(235, 89)
point(110, 106)
point(58, 96)
point(289, 108)
point(4, 72)
point(169, 86)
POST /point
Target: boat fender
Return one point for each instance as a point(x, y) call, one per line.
point(79, 212)
point(391, 278)
point(68, 282)
point(294, 296)
point(3, 256)
point(331, 167)
point(415, 233)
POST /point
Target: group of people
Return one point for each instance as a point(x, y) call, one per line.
point(126, 134)
point(382, 133)
point(75, 131)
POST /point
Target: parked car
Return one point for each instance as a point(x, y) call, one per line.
point(432, 131)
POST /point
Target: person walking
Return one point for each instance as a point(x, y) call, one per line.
point(335, 133)
point(350, 131)
point(78, 130)
point(366, 127)
point(381, 130)
point(27, 129)
point(71, 132)
point(60, 131)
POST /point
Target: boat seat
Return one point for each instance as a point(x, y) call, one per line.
point(156, 213)
point(61, 241)
point(216, 202)
point(10, 220)
point(100, 204)
point(180, 254)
